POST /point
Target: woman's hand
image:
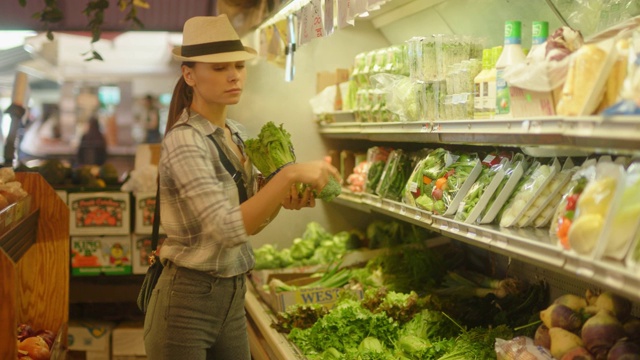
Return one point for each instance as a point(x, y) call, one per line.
point(293, 201)
point(314, 173)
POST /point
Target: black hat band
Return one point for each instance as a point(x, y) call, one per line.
point(209, 48)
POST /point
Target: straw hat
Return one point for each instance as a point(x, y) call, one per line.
point(211, 39)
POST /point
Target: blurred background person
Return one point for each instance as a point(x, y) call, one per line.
point(93, 146)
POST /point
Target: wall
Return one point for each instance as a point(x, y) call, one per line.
point(267, 97)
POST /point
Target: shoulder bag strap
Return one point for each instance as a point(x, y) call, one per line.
point(156, 220)
point(235, 174)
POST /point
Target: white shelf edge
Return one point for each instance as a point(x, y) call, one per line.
point(514, 242)
point(616, 133)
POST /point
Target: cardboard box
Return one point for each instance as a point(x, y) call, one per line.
point(327, 297)
point(145, 206)
point(141, 249)
point(527, 103)
point(91, 339)
point(329, 78)
point(127, 341)
point(97, 255)
point(99, 213)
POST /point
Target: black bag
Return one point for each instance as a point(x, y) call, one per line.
point(155, 266)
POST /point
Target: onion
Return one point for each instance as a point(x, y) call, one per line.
point(24, 331)
point(557, 315)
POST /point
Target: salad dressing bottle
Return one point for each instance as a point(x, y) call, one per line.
point(511, 54)
point(539, 35)
point(489, 85)
point(479, 91)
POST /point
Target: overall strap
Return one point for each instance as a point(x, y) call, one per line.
point(236, 175)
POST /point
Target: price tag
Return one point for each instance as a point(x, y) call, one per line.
point(455, 227)
point(484, 237)
point(471, 233)
point(584, 128)
point(526, 124)
point(585, 271)
point(614, 279)
point(378, 202)
point(424, 128)
point(417, 216)
point(403, 210)
point(444, 226)
point(501, 242)
point(392, 207)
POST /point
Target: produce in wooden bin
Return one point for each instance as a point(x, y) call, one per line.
point(32, 344)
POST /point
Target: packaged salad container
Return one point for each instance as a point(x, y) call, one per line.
point(418, 188)
point(594, 209)
point(480, 192)
point(565, 211)
point(625, 219)
point(548, 193)
point(460, 176)
point(394, 176)
point(512, 177)
point(526, 194)
point(377, 158)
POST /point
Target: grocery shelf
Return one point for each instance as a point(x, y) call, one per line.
point(260, 315)
point(530, 245)
point(594, 132)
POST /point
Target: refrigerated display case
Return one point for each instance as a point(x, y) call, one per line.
point(529, 251)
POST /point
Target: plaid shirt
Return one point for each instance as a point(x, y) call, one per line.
point(199, 203)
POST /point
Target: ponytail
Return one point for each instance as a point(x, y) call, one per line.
point(180, 100)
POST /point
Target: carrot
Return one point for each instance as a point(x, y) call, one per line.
point(440, 183)
point(427, 180)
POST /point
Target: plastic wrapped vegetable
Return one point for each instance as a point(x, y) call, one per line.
point(394, 176)
point(565, 211)
point(625, 219)
point(546, 196)
point(377, 159)
point(518, 161)
point(421, 181)
point(593, 208)
point(451, 181)
point(524, 195)
point(470, 200)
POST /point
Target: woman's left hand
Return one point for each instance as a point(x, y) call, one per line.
point(294, 201)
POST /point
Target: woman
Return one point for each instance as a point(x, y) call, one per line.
point(196, 310)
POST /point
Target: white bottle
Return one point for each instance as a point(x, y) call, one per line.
point(511, 54)
point(489, 86)
point(478, 81)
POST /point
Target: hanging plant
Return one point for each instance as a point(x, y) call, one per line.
point(94, 11)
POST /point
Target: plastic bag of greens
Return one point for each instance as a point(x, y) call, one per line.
point(480, 192)
point(417, 191)
point(524, 196)
point(377, 158)
point(512, 175)
point(394, 176)
point(458, 176)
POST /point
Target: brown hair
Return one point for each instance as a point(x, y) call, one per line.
point(180, 100)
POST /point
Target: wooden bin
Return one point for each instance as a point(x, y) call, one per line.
point(34, 268)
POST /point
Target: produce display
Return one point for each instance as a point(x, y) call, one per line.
point(59, 174)
point(34, 344)
point(421, 307)
point(272, 150)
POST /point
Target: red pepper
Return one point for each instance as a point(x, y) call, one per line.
point(572, 200)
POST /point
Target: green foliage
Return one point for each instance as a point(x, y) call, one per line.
point(271, 150)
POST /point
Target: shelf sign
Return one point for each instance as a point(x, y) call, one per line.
point(328, 17)
point(344, 18)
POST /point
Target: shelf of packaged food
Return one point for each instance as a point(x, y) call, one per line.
point(594, 132)
point(527, 244)
point(277, 345)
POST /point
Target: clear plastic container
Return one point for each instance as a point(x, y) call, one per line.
point(414, 58)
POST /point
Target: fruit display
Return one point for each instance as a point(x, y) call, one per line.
point(34, 344)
